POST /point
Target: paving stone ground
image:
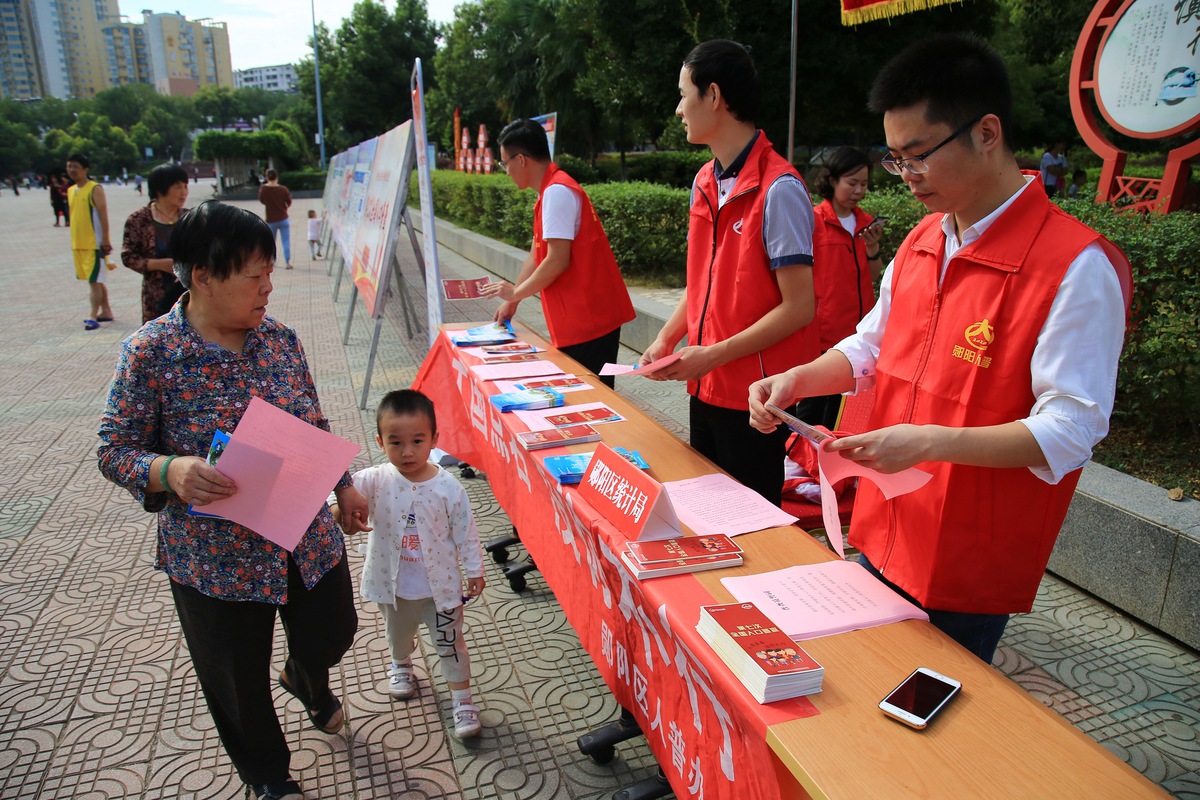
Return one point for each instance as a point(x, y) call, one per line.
point(97, 696)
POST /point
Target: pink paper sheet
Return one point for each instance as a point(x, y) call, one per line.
point(284, 469)
point(629, 369)
point(515, 370)
point(834, 467)
point(716, 503)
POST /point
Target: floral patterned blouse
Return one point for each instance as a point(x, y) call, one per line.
point(171, 391)
point(139, 245)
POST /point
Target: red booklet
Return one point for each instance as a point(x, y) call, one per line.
point(600, 414)
point(772, 650)
point(464, 289)
point(662, 569)
point(684, 548)
point(553, 383)
point(557, 437)
point(515, 347)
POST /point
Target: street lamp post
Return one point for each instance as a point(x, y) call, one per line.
point(317, 71)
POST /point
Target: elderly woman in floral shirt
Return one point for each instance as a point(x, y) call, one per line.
point(181, 377)
point(146, 246)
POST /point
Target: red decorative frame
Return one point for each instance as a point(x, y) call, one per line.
point(1163, 195)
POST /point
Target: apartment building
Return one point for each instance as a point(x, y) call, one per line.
point(76, 48)
point(277, 78)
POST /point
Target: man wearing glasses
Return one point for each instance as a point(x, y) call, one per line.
point(571, 264)
point(993, 351)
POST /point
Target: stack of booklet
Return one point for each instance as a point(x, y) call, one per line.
point(558, 437)
point(768, 663)
point(657, 559)
point(571, 468)
point(527, 399)
point(491, 334)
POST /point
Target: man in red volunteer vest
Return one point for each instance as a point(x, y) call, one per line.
point(749, 289)
point(571, 264)
point(993, 350)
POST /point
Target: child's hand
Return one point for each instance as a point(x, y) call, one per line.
point(475, 587)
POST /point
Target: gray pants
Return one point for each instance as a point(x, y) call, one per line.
point(445, 634)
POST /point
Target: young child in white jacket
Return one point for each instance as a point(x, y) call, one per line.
point(420, 527)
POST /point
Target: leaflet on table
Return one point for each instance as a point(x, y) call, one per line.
point(771, 665)
point(219, 442)
point(511, 349)
point(527, 369)
point(491, 333)
point(464, 289)
point(544, 397)
point(570, 469)
point(816, 600)
point(630, 369)
point(566, 384)
point(557, 437)
point(582, 414)
point(716, 503)
point(284, 469)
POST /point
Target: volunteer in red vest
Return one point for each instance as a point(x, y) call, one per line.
point(993, 350)
point(846, 262)
point(749, 289)
point(571, 264)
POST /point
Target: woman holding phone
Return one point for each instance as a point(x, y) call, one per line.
point(846, 261)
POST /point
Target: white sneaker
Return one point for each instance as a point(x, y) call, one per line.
point(466, 720)
point(402, 683)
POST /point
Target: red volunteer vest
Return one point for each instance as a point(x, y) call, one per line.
point(974, 539)
point(589, 298)
point(841, 275)
point(730, 282)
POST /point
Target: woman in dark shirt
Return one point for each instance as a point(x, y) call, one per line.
point(146, 247)
point(180, 378)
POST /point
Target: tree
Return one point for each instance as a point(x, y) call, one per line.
point(219, 104)
point(125, 105)
point(158, 130)
point(18, 148)
point(464, 77)
point(106, 145)
point(366, 67)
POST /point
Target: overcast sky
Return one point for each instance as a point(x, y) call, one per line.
point(266, 32)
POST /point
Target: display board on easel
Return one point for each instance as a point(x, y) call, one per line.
point(366, 194)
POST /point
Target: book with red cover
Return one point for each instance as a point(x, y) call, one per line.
point(464, 289)
point(558, 437)
point(683, 548)
point(510, 349)
point(662, 569)
point(553, 383)
point(601, 414)
point(771, 665)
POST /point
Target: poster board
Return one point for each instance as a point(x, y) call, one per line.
point(433, 295)
point(384, 191)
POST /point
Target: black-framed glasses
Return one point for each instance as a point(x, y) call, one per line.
point(916, 164)
point(502, 165)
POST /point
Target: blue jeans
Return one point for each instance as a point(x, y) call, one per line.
point(284, 228)
point(979, 633)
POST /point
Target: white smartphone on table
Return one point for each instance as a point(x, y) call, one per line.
point(920, 697)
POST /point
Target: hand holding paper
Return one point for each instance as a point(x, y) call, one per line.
point(645, 369)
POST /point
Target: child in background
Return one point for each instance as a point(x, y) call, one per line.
point(1078, 179)
point(314, 234)
point(421, 525)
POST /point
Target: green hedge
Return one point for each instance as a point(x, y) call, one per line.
point(303, 180)
point(227, 144)
point(646, 224)
point(1159, 381)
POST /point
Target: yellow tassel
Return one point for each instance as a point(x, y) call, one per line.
point(888, 8)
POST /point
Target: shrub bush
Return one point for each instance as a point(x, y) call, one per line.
point(577, 168)
point(302, 180)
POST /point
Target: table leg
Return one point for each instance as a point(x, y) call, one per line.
point(649, 789)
